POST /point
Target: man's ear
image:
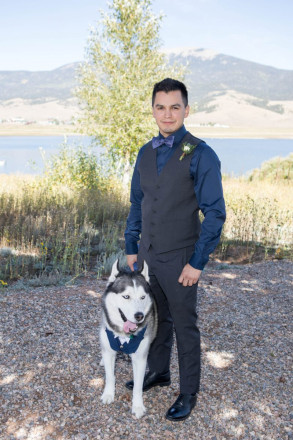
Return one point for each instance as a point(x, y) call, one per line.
point(145, 271)
point(114, 272)
point(187, 109)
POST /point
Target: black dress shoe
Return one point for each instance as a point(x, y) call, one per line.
point(151, 380)
point(182, 408)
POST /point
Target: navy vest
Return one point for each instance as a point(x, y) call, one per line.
point(169, 207)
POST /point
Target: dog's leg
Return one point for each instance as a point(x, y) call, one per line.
point(139, 361)
point(109, 357)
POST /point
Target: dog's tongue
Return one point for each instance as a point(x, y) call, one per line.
point(129, 327)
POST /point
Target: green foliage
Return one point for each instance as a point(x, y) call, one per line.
point(123, 63)
point(278, 168)
point(80, 168)
point(74, 167)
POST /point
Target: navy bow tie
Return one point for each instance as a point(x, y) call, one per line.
point(158, 141)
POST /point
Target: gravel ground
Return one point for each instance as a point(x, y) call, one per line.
point(51, 381)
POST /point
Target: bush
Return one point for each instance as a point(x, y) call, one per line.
point(278, 168)
point(74, 167)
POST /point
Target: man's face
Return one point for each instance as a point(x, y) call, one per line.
point(169, 111)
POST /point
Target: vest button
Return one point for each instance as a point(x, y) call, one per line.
point(158, 186)
point(155, 199)
point(121, 346)
point(152, 223)
point(154, 211)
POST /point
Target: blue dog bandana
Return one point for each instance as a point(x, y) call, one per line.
point(128, 347)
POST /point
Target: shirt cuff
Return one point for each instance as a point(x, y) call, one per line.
point(131, 247)
point(198, 261)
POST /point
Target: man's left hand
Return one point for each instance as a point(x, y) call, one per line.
point(189, 275)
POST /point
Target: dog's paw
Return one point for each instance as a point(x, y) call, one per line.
point(107, 397)
point(138, 411)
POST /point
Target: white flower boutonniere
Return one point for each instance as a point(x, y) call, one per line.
point(187, 149)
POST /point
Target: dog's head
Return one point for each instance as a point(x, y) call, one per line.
point(127, 299)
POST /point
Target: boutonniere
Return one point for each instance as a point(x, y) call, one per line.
point(187, 149)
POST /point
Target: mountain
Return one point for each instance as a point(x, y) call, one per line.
point(207, 72)
point(54, 84)
point(224, 89)
point(211, 72)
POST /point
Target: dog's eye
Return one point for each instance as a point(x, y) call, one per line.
point(126, 296)
point(142, 297)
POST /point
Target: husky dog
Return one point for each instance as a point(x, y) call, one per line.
point(129, 324)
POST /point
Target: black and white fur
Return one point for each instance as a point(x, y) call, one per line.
point(130, 292)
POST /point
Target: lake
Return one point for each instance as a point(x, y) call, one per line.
point(238, 156)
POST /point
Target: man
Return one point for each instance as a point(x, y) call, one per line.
point(175, 175)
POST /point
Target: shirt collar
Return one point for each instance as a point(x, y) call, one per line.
point(178, 135)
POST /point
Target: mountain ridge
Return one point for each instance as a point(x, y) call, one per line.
point(208, 72)
point(219, 85)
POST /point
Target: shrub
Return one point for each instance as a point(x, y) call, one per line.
point(278, 168)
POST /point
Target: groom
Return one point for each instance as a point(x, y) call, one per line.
point(175, 176)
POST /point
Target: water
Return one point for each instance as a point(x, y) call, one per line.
point(23, 154)
point(238, 156)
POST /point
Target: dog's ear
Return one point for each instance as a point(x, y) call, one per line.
point(145, 271)
point(114, 272)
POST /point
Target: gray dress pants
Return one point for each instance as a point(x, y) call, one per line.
point(176, 307)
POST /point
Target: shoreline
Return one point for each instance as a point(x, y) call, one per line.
point(207, 132)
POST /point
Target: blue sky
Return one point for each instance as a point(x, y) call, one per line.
point(43, 35)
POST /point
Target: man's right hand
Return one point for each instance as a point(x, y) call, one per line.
point(131, 259)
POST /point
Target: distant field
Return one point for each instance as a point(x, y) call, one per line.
point(205, 132)
point(242, 132)
point(35, 130)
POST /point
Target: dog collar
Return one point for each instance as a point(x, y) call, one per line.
point(126, 347)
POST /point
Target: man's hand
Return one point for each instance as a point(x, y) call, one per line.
point(189, 275)
point(131, 259)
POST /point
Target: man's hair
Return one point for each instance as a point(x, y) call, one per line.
point(170, 85)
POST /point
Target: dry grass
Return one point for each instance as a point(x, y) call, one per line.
point(280, 191)
point(57, 229)
point(259, 219)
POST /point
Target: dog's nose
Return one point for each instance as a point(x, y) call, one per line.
point(139, 316)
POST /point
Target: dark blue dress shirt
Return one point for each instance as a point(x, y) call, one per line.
point(205, 170)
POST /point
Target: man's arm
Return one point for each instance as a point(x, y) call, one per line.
point(205, 168)
point(133, 224)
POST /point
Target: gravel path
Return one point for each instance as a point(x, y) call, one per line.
point(51, 380)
